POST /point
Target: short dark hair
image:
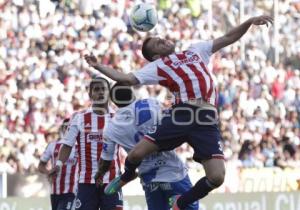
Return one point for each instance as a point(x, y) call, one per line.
point(148, 55)
point(66, 120)
point(121, 95)
point(65, 123)
point(96, 79)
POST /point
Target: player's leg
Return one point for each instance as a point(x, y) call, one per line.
point(110, 202)
point(142, 149)
point(66, 201)
point(136, 155)
point(181, 187)
point(87, 197)
point(155, 197)
point(167, 136)
point(54, 201)
point(206, 142)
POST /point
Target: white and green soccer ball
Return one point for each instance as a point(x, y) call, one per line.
point(143, 17)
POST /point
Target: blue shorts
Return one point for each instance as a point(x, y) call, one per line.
point(158, 193)
point(186, 123)
point(91, 197)
point(62, 201)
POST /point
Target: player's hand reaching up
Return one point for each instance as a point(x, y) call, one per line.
point(91, 60)
point(262, 20)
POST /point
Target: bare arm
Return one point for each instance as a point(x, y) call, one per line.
point(237, 32)
point(126, 79)
point(64, 153)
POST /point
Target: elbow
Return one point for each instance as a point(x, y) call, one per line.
point(129, 80)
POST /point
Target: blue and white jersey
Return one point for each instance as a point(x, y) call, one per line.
point(127, 128)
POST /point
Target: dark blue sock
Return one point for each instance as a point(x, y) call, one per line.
point(200, 190)
point(129, 173)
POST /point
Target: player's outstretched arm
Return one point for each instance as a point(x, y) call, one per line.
point(237, 32)
point(126, 79)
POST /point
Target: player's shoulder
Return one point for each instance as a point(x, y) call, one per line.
point(78, 113)
point(151, 66)
point(124, 113)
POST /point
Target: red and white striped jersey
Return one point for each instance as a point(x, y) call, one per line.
point(67, 178)
point(185, 73)
point(86, 128)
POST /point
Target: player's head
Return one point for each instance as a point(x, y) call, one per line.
point(121, 95)
point(99, 90)
point(155, 47)
point(64, 126)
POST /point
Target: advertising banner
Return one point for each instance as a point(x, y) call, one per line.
point(222, 201)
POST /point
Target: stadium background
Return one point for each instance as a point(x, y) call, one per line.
point(43, 79)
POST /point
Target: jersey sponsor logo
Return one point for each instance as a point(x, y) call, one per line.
point(94, 137)
point(192, 59)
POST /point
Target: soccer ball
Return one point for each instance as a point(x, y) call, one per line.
point(143, 17)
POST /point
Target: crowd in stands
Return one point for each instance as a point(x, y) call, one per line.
point(43, 76)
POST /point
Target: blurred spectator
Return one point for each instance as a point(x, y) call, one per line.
point(43, 76)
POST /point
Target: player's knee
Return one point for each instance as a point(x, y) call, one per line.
point(217, 178)
point(135, 156)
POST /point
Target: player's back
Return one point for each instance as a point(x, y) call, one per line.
point(185, 74)
point(66, 180)
point(129, 125)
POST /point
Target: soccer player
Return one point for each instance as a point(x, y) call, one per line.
point(162, 174)
point(63, 184)
point(86, 129)
point(193, 118)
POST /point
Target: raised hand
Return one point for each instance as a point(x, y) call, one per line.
point(262, 20)
point(91, 60)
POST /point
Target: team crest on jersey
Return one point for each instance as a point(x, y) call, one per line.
point(94, 137)
point(77, 203)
